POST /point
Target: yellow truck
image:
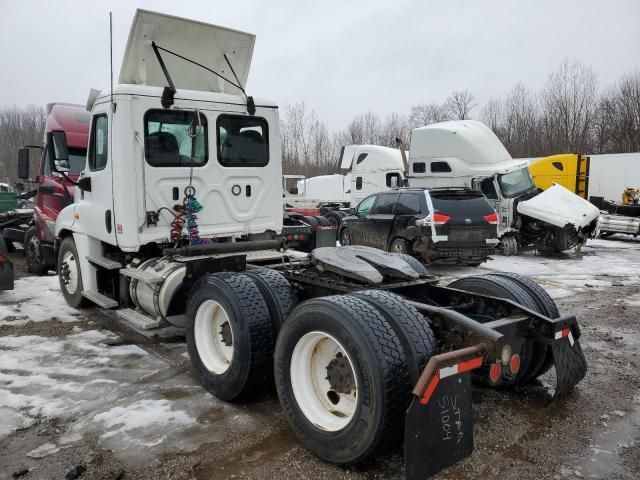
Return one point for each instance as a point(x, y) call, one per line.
point(569, 170)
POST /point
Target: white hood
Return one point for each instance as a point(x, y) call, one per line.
point(559, 206)
point(201, 42)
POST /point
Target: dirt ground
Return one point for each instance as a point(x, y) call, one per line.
point(74, 393)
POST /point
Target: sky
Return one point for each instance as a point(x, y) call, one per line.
point(341, 58)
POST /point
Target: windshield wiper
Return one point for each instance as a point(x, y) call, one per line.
point(251, 107)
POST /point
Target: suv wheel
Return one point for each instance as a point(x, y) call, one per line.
point(399, 245)
point(345, 237)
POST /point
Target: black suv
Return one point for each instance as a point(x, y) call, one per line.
point(447, 225)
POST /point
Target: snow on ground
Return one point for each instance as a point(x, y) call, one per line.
point(604, 263)
point(35, 299)
point(101, 389)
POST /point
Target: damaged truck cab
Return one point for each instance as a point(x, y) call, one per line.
point(468, 154)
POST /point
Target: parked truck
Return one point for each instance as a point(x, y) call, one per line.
point(177, 218)
point(55, 182)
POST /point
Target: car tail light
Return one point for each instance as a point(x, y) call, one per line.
point(440, 219)
point(492, 218)
point(2, 259)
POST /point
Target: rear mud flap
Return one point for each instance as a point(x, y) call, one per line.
point(439, 433)
point(571, 366)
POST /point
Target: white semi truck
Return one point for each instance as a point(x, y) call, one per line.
point(178, 218)
point(468, 154)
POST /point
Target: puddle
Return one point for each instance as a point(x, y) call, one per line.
point(609, 444)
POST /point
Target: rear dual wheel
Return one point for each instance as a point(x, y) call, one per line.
point(344, 367)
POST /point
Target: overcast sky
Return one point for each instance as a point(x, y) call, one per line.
point(342, 58)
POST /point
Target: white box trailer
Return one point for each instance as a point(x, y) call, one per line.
point(367, 333)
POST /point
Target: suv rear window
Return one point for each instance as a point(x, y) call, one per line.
point(461, 204)
point(242, 141)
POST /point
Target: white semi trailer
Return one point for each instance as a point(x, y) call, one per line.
point(178, 218)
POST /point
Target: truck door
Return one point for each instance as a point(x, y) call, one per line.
point(94, 209)
point(381, 221)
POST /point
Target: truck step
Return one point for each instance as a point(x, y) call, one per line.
point(139, 319)
point(104, 262)
point(141, 275)
point(99, 299)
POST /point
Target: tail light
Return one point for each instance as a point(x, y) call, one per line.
point(2, 259)
point(440, 219)
point(492, 218)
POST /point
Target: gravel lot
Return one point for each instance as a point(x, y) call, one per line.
point(73, 392)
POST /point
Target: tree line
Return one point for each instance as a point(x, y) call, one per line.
point(569, 114)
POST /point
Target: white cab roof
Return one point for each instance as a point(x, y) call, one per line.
point(377, 158)
point(201, 42)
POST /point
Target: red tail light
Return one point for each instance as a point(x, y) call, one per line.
point(492, 218)
point(440, 219)
point(3, 259)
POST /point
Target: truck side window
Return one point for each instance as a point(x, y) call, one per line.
point(419, 167)
point(390, 181)
point(364, 208)
point(99, 147)
point(242, 141)
point(440, 167)
point(175, 138)
point(358, 183)
point(408, 204)
point(385, 204)
point(360, 158)
point(488, 188)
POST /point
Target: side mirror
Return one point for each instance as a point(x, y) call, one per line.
point(60, 152)
point(23, 163)
point(352, 211)
point(84, 184)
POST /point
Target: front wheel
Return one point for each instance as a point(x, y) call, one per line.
point(345, 237)
point(33, 253)
point(69, 274)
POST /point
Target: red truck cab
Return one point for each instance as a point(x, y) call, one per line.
point(56, 190)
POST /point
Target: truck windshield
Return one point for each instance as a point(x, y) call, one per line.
point(77, 160)
point(515, 183)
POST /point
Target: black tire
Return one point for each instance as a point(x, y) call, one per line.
point(253, 337)
point(400, 245)
point(417, 339)
point(311, 221)
point(545, 305)
point(279, 295)
point(380, 370)
point(68, 253)
point(416, 264)
point(508, 289)
point(345, 237)
point(33, 253)
point(323, 221)
point(334, 218)
point(509, 245)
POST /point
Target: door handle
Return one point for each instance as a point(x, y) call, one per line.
point(107, 220)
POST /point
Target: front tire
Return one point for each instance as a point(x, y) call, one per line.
point(33, 253)
point(341, 377)
point(69, 274)
point(345, 237)
point(229, 334)
point(399, 245)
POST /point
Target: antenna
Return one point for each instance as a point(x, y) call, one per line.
point(111, 56)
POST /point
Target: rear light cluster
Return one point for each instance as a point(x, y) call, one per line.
point(300, 236)
point(492, 218)
point(2, 259)
point(439, 218)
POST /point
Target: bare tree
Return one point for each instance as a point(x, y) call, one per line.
point(568, 104)
point(460, 104)
point(19, 127)
point(428, 113)
point(492, 114)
